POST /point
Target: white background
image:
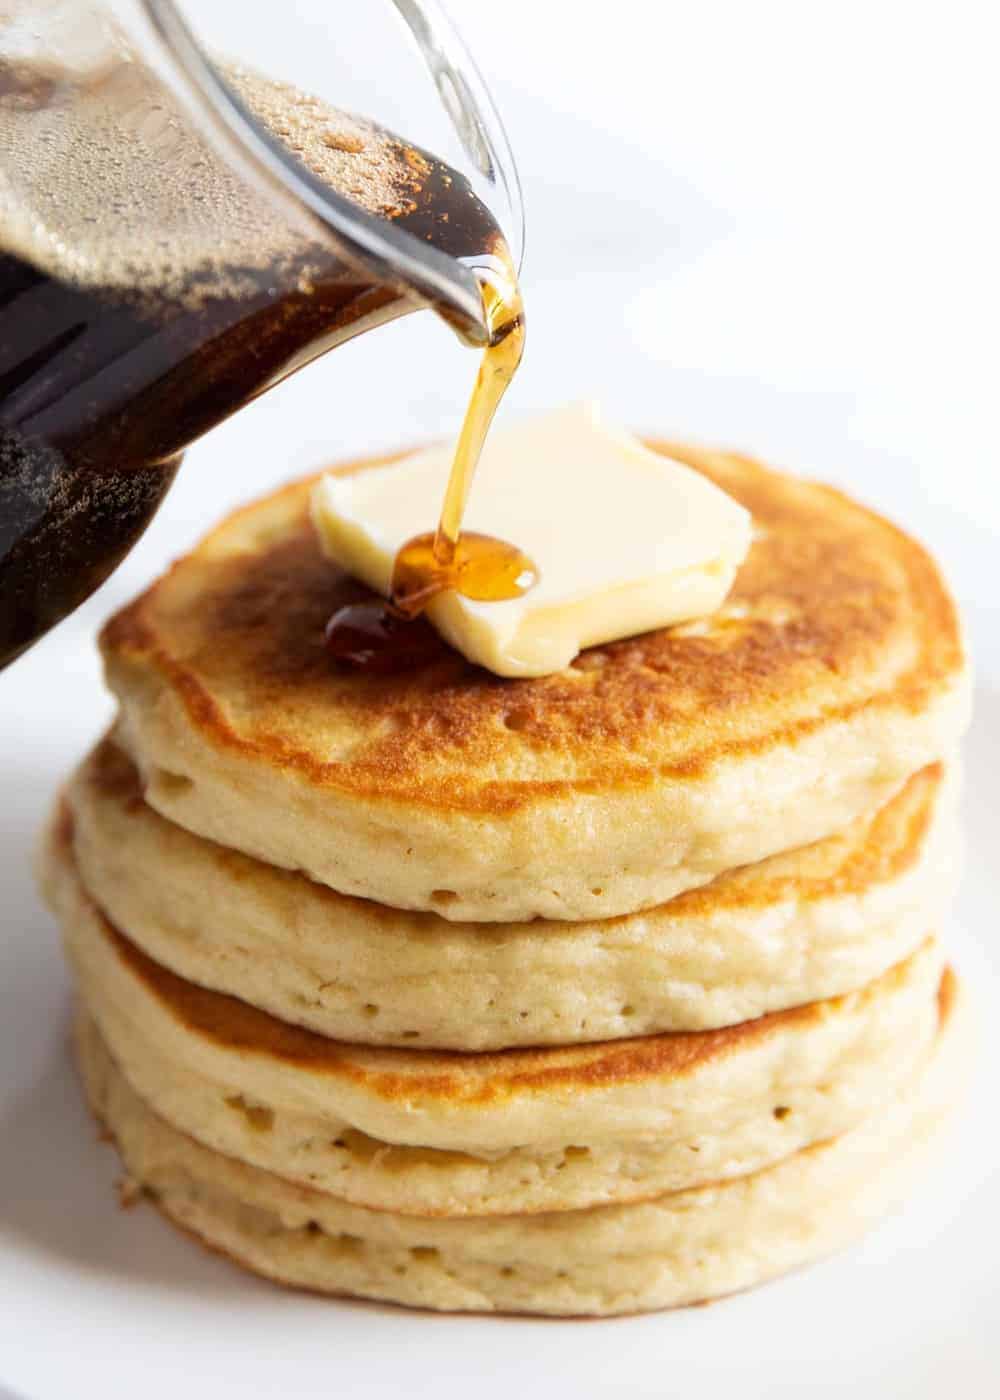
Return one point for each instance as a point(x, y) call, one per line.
point(772, 226)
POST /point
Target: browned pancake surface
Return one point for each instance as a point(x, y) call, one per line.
point(834, 612)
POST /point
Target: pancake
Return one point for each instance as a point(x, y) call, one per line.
point(800, 927)
point(833, 672)
point(680, 1248)
point(519, 1130)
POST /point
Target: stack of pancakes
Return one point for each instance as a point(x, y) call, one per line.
point(606, 991)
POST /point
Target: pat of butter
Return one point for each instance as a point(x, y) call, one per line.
point(625, 539)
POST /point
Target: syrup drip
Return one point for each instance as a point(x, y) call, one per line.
point(392, 635)
point(372, 636)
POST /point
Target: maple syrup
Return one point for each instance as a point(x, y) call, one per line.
point(145, 295)
point(384, 636)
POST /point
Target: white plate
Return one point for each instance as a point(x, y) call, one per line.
point(101, 1301)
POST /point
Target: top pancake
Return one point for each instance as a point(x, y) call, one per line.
point(834, 670)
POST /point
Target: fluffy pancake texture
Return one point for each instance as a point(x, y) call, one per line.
point(834, 671)
point(799, 927)
point(681, 1247)
point(525, 1130)
point(611, 990)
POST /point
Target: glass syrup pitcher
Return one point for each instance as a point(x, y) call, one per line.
point(178, 233)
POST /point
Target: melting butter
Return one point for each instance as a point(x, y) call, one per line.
point(625, 539)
